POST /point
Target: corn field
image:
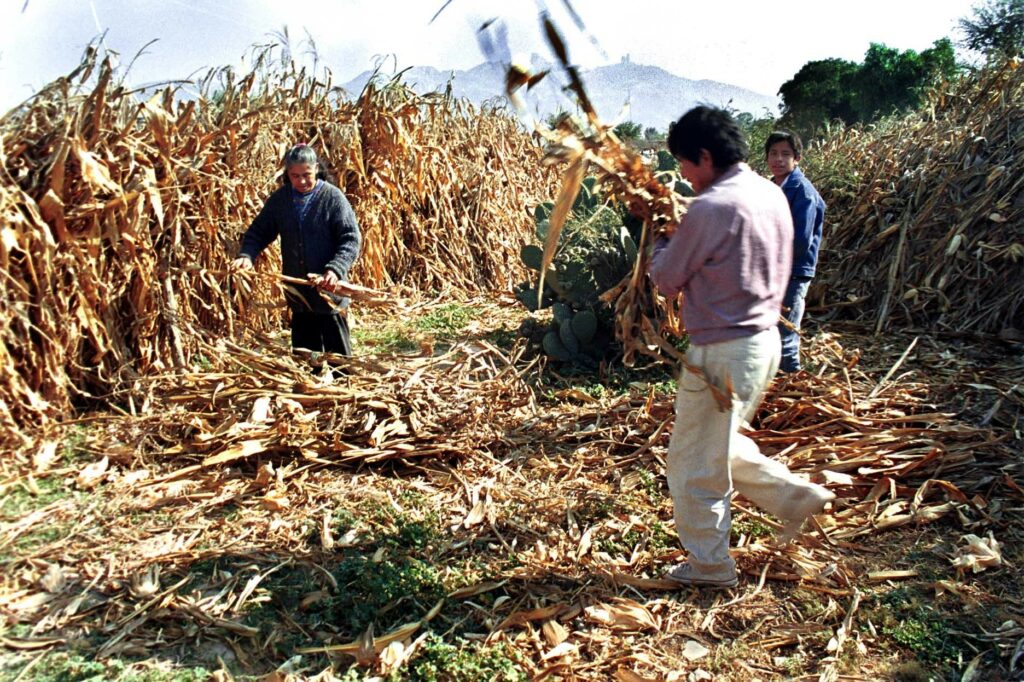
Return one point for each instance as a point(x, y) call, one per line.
point(926, 213)
point(229, 505)
point(120, 216)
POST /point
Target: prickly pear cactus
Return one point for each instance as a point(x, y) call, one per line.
point(666, 162)
point(599, 249)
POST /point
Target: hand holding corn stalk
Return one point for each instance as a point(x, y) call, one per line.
point(331, 284)
point(588, 147)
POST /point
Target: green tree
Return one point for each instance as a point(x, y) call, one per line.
point(820, 91)
point(756, 130)
point(652, 134)
point(890, 80)
point(887, 81)
point(628, 131)
point(996, 29)
point(940, 60)
point(555, 118)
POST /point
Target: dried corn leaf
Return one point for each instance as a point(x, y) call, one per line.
point(978, 554)
point(622, 614)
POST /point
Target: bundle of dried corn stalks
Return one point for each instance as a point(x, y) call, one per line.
point(926, 212)
point(590, 148)
point(435, 406)
point(119, 217)
point(642, 317)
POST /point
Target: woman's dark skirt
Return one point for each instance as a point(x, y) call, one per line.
point(321, 332)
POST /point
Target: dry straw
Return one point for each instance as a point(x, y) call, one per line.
point(926, 212)
point(120, 215)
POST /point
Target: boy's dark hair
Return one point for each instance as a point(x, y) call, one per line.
point(708, 128)
point(785, 136)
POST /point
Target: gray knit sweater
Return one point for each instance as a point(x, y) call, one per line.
point(327, 239)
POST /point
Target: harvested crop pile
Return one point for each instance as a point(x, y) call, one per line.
point(119, 216)
point(926, 212)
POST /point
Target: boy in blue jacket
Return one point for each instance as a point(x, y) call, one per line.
point(782, 151)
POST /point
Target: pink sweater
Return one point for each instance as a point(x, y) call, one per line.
point(730, 257)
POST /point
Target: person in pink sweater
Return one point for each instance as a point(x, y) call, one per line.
point(731, 258)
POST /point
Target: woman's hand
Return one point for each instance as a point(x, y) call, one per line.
point(329, 281)
point(241, 263)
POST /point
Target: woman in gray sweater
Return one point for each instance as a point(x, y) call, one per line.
point(319, 234)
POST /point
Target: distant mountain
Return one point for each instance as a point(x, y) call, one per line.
point(654, 97)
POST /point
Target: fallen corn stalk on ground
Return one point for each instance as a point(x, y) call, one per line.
point(264, 507)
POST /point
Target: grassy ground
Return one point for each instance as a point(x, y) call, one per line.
point(536, 554)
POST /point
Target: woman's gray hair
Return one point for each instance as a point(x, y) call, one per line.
point(300, 153)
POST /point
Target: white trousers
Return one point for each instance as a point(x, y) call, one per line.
point(707, 455)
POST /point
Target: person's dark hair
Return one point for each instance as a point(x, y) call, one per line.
point(303, 153)
point(785, 136)
point(300, 153)
point(708, 128)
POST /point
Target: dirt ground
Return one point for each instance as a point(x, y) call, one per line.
point(449, 506)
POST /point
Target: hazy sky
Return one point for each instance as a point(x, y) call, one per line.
point(755, 44)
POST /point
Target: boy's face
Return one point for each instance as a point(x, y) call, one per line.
point(700, 175)
point(781, 160)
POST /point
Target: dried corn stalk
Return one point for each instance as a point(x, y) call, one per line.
point(591, 148)
point(926, 213)
point(119, 216)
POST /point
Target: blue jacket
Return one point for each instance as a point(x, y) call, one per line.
point(327, 239)
point(808, 209)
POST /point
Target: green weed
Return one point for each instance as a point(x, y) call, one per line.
point(413, 498)
point(610, 382)
point(388, 340)
point(751, 527)
point(667, 387)
point(369, 591)
point(597, 391)
point(343, 521)
point(414, 534)
point(649, 486)
point(73, 446)
point(411, 530)
point(438, 661)
point(663, 536)
point(446, 320)
point(62, 667)
point(41, 537)
point(502, 337)
point(681, 343)
point(19, 500)
point(911, 620)
point(657, 538)
point(795, 665)
point(381, 583)
point(595, 507)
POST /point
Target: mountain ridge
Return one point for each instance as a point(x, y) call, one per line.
point(642, 93)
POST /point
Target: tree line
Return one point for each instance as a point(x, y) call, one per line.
point(887, 81)
point(890, 81)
